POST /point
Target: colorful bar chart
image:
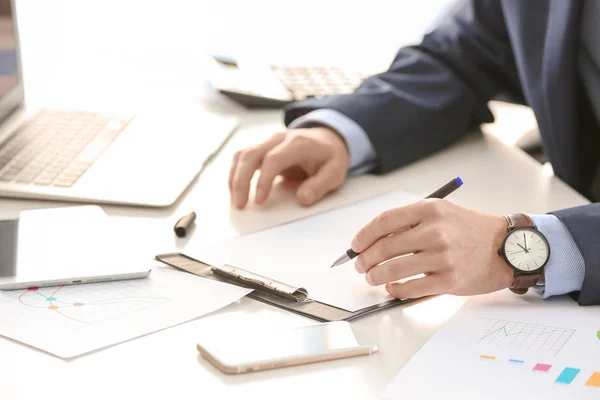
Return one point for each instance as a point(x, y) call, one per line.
point(567, 375)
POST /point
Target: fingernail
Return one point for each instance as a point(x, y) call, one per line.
point(307, 195)
point(238, 201)
point(260, 195)
point(355, 246)
point(387, 287)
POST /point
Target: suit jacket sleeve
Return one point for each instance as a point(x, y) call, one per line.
point(584, 225)
point(432, 93)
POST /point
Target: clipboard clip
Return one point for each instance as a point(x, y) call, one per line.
point(234, 275)
point(257, 281)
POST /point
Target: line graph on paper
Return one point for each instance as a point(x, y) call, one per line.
point(81, 305)
point(522, 336)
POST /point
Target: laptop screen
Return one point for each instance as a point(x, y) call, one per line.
point(11, 92)
point(8, 50)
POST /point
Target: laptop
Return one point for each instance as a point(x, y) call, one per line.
point(65, 246)
point(143, 158)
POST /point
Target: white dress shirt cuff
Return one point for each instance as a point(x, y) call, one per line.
point(565, 269)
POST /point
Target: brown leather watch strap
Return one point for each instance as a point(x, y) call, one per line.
point(518, 221)
point(523, 282)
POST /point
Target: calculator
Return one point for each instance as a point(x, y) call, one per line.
point(275, 85)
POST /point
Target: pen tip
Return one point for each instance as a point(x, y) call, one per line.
point(458, 180)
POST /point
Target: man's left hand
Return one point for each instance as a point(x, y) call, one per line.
point(455, 248)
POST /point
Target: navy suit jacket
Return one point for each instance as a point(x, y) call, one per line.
point(434, 93)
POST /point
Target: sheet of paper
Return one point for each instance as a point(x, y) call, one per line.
point(68, 321)
point(300, 253)
point(504, 346)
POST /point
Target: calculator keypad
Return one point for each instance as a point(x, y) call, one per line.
point(304, 82)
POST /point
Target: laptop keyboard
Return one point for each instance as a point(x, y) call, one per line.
point(56, 147)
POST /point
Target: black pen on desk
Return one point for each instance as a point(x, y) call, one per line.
point(442, 192)
point(184, 224)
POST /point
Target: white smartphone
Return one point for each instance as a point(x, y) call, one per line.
point(257, 351)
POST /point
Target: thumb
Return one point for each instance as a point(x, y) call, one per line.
point(328, 178)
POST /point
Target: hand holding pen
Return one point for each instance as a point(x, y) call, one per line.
point(443, 247)
point(442, 192)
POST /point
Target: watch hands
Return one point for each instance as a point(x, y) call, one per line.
point(524, 249)
point(525, 239)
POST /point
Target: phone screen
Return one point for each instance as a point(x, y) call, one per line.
point(254, 348)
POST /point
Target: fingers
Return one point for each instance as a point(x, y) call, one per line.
point(399, 268)
point(308, 151)
point(329, 177)
point(387, 223)
point(280, 158)
point(236, 156)
point(398, 244)
point(245, 163)
point(294, 174)
point(415, 288)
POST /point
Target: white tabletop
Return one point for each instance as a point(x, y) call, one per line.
point(497, 179)
point(166, 363)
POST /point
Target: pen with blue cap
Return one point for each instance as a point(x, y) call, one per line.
point(438, 194)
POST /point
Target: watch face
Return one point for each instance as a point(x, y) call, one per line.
point(526, 249)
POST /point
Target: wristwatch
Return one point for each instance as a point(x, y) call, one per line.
point(526, 251)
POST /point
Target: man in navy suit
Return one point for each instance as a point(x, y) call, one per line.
point(545, 54)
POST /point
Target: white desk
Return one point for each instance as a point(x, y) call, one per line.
point(166, 365)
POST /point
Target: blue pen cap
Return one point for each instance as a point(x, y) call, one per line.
point(458, 180)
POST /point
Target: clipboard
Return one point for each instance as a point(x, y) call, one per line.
point(272, 292)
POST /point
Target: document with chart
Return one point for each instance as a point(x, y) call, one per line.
point(68, 321)
point(503, 346)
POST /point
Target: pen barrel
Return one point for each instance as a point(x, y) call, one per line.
point(446, 189)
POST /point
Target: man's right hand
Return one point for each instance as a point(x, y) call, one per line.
point(317, 156)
